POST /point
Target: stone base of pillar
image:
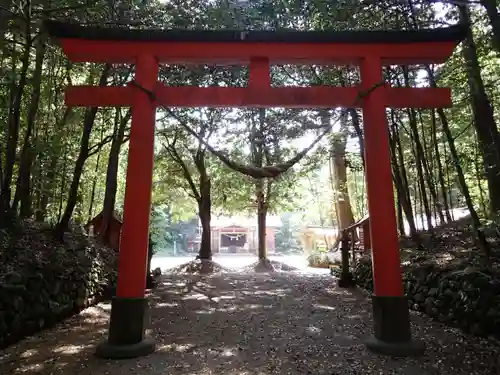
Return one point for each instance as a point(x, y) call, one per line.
point(391, 320)
point(127, 326)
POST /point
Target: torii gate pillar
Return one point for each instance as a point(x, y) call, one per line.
point(391, 318)
point(129, 310)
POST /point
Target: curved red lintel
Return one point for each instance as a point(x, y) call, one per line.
point(83, 50)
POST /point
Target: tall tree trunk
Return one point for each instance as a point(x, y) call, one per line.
point(112, 171)
point(401, 162)
point(10, 100)
point(342, 201)
point(63, 187)
point(437, 206)
point(419, 155)
point(48, 189)
point(439, 166)
point(448, 180)
point(149, 276)
point(23, 188)
point(396, 177)
point(420, 171)
point(202, 191)
point(479, 178)
point(94, 185)
point(14, 121)
point(205, 196)
point(405, 187)
point(494, 17)
point(401, 183)
point(334, 216)
point(49, 185)
point(400, 218)
point(418, 189)
point(261, 220)
point(88, 124)
point(480, 238)
point(257, 147)
point(359, 132)
point(484, 120)
point(204, 211)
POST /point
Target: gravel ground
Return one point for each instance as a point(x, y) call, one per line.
point(242, 324)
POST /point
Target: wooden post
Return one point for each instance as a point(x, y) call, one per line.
point(346, 279)
point(390, 307)
point(366, 236)
point(129, 307)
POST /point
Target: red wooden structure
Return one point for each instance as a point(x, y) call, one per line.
point(112, 238)
point(147, 49)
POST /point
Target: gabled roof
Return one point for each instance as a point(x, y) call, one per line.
point(116, 216)
point(243, 221)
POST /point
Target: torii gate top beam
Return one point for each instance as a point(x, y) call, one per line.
point(99, 44)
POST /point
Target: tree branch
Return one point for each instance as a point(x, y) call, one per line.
point(259, 172)
point(96, 148)
point(172, 151)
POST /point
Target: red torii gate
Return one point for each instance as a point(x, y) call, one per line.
point(371, 50)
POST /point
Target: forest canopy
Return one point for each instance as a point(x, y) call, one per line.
point(60, 164)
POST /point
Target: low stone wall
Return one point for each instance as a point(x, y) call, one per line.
point(468, 298)
point(43, 281)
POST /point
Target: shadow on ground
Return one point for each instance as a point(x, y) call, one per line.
point(70, 343)
point(239, 324)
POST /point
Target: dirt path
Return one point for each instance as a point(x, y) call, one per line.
point(250, 324)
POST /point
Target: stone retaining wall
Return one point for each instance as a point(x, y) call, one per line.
point(43, 282)
point(467, 298)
